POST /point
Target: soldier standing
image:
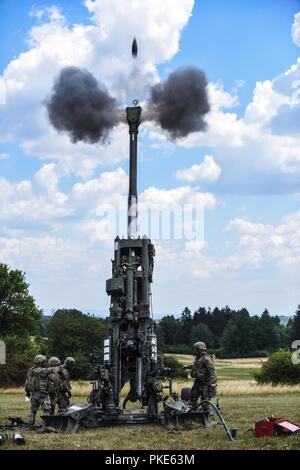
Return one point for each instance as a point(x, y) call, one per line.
point(204, 373)
point(64, 393)
point(54, 381)
point(36, 388)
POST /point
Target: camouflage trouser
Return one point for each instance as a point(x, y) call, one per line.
point(199, 390)
point(38, 399)
point(63, 401)
point(53, 402)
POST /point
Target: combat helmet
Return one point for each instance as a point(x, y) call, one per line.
point(54, 361)
point(69, 362)
point(200, 346)
point(39, 360)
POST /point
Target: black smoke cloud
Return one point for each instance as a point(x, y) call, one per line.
point(81, 106)
point(180, 103)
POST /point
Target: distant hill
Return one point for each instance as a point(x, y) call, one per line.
point(97, 313)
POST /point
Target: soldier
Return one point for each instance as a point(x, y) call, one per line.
point(64, 393)
point(36, 388)
point(54, 382)
point(204, 373)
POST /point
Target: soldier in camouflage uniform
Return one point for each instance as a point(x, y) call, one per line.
point(204, 373)
point(36, 388)
point(64, 393)
point(54, 382)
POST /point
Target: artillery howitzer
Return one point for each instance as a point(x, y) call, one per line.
point(130, 348)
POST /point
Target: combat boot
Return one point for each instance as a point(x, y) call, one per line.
point(31, 420)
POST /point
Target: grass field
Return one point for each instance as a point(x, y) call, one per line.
point(242, 402)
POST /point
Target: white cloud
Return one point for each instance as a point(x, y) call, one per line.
point(42, 199)
point(52, 13)
point(92, 196)
point(4, 156)
point(263, 243)
point(170, 199)
point(47, 177)
point(206, 171)
point(54, 235)
point(243, 226)
point(21, 202)
point(296, 29)
point(115, 181)
point(156, 25)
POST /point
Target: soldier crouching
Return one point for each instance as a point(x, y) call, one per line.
point(204, 373)
point(36, 388)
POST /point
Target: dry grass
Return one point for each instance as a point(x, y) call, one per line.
point(250, 387)
point(251, 363)
point(240, 412)
point(240, 363)
point(234, 388)
point(226, 387)
point(235, 377)
point(242, 401)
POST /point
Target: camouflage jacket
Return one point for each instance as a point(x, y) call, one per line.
point(64, 379)
point(54, 380)
point(37, 380)
point(204, 370)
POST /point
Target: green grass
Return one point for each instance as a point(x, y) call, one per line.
point(236, 373)
point(240, 412)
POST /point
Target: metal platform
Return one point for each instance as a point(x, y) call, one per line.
point(90, 416)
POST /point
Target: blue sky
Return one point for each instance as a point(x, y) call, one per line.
point(250, 185)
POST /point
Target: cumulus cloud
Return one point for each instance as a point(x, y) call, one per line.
point(206, 171)
point(42, 199)
point(104, 48)
point(53, 234)
point(21, 202)
point(168, 199)
point(261, 243)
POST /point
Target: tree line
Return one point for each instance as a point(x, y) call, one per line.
point(227, 332)
point(26, 332)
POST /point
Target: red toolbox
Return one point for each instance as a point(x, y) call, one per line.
point(271, 426)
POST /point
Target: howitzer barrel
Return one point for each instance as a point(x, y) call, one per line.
point(134, 120)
